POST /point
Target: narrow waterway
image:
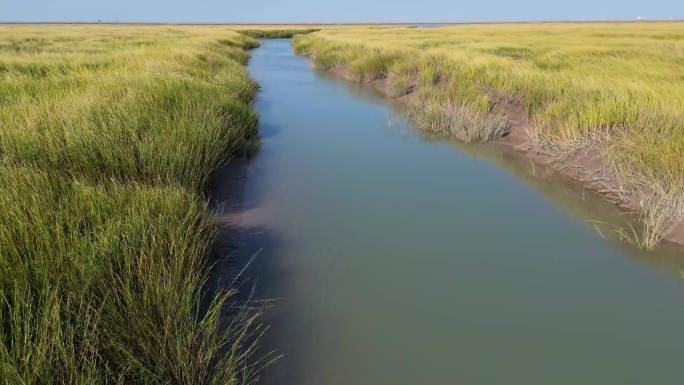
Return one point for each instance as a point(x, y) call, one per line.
point(398, 259)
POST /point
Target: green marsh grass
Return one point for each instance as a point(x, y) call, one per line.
point(276, 32)
point(616, 89)
point(109, 136)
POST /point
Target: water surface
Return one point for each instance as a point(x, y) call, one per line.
point(402, 259)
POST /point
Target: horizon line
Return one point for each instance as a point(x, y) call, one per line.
point(445, 23)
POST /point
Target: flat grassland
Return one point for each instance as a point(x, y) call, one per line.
point(108, 138)
point(604, 98)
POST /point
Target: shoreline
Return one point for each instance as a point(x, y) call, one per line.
point(586, 169)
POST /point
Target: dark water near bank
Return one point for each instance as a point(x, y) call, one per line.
point(401, 259)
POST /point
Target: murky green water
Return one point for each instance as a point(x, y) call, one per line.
point(400, 259)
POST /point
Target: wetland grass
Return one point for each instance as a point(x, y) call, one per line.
point(276, 32)
point(613, 90)
point(109, 136)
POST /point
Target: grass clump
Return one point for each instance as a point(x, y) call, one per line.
point(108, 138)
point(374, 65)
point(614, 89)
point(276, 32)
point(513, 52)
point(101, 284)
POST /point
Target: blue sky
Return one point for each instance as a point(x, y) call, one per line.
point(332, 11)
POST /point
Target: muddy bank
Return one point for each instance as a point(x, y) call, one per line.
point(586, 168)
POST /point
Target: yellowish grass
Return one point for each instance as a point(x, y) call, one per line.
point(108, 137)
point(617, 84)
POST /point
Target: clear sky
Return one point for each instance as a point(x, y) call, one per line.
point(244, 11)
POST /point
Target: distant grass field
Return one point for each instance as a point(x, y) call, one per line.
point(614, 88)
point(275, 31)
point(108, 138)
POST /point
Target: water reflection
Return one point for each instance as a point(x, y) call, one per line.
point(581, 203)
point(400, 258)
